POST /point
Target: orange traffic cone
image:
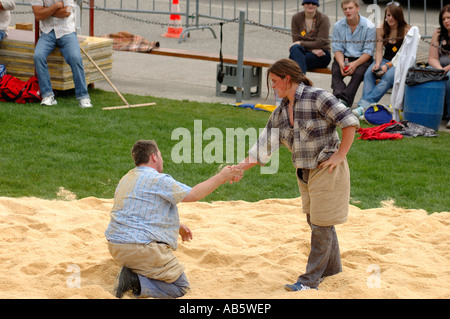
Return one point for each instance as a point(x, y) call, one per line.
point(175, 29)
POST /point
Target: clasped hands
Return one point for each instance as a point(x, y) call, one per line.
point(232, 173)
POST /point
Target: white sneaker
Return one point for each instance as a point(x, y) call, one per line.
point(49, 100)
point(359, 111)
point(85, 103)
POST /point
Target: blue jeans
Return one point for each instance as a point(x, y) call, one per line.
point(372, 92)
point(160, 289)
point(70, 49)
point(447, 98)
point(2, 35)
point(307, 60)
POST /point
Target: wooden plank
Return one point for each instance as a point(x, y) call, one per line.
point(257, 62)
point(210, 57)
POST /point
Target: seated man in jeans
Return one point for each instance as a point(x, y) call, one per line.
point(353, 39)
point(57, 25)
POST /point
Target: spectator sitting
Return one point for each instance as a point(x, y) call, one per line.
point(390, 36)
point(57, 20)
point(310, 32)
point(353, 40)
point(439, 53)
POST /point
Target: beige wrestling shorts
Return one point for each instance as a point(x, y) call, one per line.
point(326, 196)
point(155, 260)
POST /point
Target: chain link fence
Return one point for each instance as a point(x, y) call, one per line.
point(273, 15)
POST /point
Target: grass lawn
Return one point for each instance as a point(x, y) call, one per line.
point(87, 151)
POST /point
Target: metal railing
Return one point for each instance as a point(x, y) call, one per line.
point(275, 14)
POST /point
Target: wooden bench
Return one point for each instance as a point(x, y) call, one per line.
point(252, 68)
point(231, 59)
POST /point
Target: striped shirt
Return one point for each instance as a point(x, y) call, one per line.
point(364, 34)
point(145, 208)
point(62, 26)
point(314, 138)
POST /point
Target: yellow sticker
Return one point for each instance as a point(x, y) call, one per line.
point(394, 49)
point(303, 33)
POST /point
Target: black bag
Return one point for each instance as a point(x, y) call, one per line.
point(418, 75)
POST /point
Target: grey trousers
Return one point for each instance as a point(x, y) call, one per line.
point(324, 258)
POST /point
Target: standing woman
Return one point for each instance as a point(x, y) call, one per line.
point(306, 123)
point(439, 53)
point(310, 31)
point(390, 37)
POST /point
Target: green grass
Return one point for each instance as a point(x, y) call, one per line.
point(87, 151)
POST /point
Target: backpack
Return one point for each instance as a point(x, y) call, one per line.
point(31, 92)
point(13, 89)
point(377, 114)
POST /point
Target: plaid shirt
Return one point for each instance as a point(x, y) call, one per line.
point(314, 138)
point(62, 26)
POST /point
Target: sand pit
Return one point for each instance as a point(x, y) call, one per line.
point(56, 249)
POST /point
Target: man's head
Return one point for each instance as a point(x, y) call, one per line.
point(146, 153)
point(350, 8)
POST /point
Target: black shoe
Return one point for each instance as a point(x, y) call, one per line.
point(127, 280)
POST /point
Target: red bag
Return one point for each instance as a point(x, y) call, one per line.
point(31, 92)
point(13, 89)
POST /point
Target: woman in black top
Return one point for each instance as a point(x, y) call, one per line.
point(389, 40)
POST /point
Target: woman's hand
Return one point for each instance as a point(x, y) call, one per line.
point(318, 52)
point(332, 162)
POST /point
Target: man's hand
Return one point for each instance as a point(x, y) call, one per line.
point(185, 232)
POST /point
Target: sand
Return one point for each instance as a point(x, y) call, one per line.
point(56, 249)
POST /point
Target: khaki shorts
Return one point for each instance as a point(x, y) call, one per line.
point(154, 261)
point(326, 196)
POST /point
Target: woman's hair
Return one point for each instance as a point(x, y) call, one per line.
point(443, 35)
point(142, 150)
point(285, 67)
point(397, 13)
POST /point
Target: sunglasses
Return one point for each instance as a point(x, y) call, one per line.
point(395, 3)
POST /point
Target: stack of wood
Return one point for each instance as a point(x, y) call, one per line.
point(17, 50)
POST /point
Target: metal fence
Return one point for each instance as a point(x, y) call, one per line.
point(275, 14)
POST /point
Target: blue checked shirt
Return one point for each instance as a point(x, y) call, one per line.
point(145, 208)
point(314, 138)
point(365, 33)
